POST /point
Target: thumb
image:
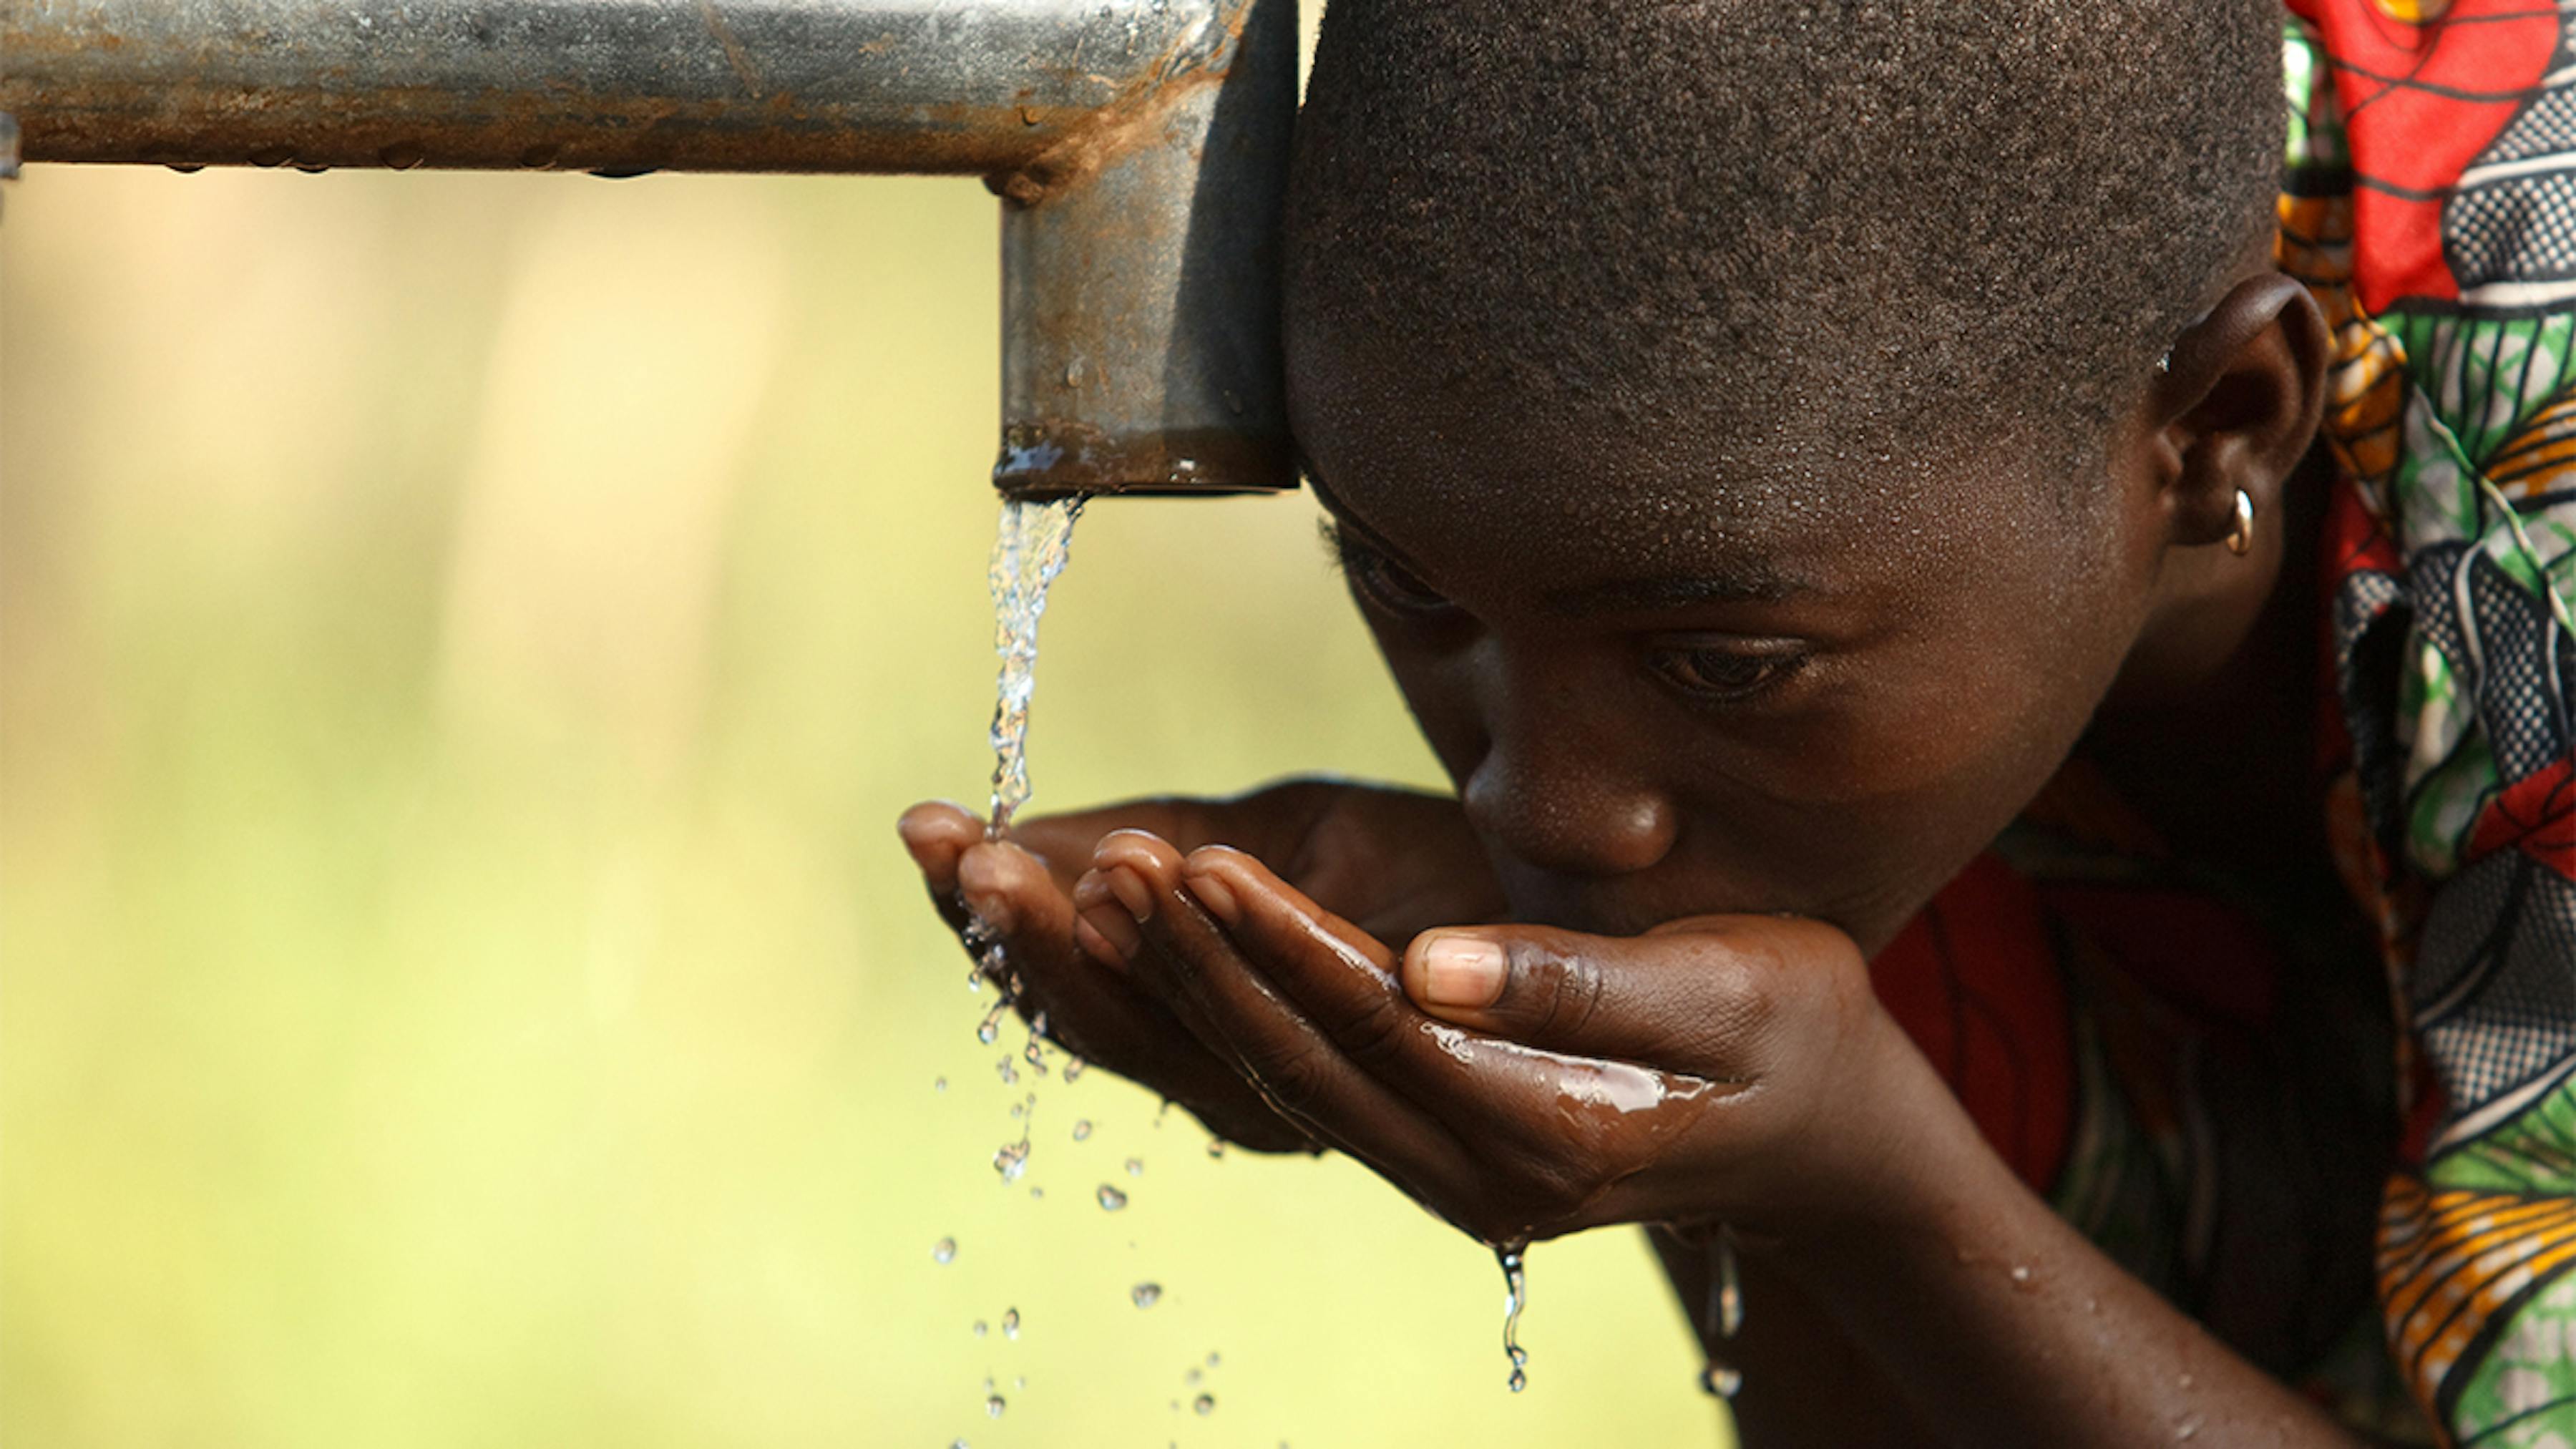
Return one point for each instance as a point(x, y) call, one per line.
point(1702, 995)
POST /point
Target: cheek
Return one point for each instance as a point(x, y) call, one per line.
point(1439, 696)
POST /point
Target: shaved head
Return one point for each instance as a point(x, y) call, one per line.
point(1842, 222)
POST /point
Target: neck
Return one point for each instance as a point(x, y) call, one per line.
point(2210, 733)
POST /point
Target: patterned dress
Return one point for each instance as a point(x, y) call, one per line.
point(2190, 1076)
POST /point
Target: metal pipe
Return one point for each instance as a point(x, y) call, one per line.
point(1139, 146)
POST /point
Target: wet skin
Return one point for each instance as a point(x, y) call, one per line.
point(1721, 716)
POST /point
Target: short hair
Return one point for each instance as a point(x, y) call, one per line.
point(1881, 216)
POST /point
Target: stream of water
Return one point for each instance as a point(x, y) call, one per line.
point(1029, 550)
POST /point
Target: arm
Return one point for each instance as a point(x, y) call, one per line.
point(1999, 1324)
point(1748, 1076)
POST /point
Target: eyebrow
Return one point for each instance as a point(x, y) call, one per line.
point(1746, 582)
point(1738, 581)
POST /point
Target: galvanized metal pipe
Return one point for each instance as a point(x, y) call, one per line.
point(1139, 146)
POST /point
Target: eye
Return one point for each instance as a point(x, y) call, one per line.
point(1381, 580)
point(1725, 675)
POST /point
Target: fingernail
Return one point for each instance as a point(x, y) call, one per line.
point(1132, 892)
point(1461, 971)
point(1211, 891)
point(1116, 936)
point(993, 910)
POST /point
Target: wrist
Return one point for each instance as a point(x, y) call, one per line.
point(1910, 1168)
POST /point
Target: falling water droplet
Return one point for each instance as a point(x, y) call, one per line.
point(1193, 1376)
point(1135, 1167)
point(1213, 1360)
point(1728, 1285)
point(1036, 1193)
point(1012, 1160)
point(1205, 1404)
point(1515, 1298)
point(1007, 1071)
point(1011, 1323)
point(944, 1251)
point(1111, 1199)
point(980, 1329)
point(939, 1084)
point(994, 1406)
point(1146, 1294)
point(956, 1444)
point(1082, 1129)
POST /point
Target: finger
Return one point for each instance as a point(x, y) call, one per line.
point(1298, 1066)
point(1703, 995)
point(1065, 842)
point(937, 834)
point(1096, 1013)
point(1488, 1091)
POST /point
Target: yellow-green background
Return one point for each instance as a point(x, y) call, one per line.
point(463, 643)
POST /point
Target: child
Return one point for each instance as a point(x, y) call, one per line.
point(1865, 499)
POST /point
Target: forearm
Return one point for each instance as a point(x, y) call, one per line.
point(1999, 1324)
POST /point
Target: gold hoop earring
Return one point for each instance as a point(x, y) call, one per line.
point(2240, 534)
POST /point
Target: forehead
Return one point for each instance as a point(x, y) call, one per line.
point(1471, 469)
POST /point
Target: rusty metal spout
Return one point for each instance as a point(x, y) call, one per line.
point(1139, 148)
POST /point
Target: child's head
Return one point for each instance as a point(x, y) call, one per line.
point(1745, 417)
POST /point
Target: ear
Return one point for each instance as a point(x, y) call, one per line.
point(2238, 405)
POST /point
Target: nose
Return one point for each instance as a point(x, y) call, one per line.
point(1559, 804)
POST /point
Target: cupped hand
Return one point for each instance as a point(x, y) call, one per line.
point(1524, 1082)
point(1399, 860)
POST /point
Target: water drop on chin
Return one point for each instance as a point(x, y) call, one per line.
point(1011, 1323)
point(1216, 1147)
point(1111, 1199)
point(944, 1251)
point(1205, 1404)
point(1146, 1295)
point(1720, 1381)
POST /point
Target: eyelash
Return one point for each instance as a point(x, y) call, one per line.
point(1716, 677)
point(1747, 678)
point(1385, 583)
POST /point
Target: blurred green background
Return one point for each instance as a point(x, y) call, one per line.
point(464, 641)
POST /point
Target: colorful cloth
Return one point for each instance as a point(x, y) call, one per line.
point(2429, 203)
point(2189, 1075)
